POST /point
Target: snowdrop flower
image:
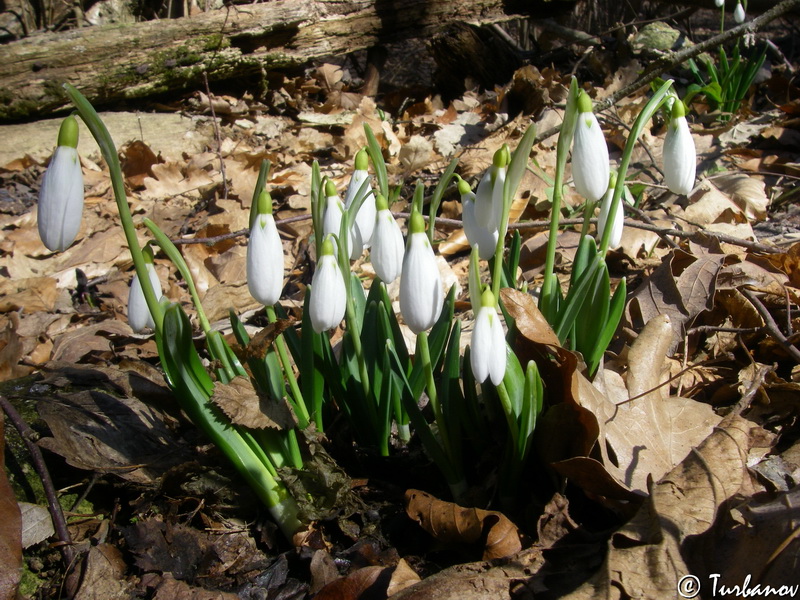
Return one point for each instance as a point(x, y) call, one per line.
point(619, 217)
point(590, 168)
point(61, 194)
point(738, 13)
point(719, 3)
point(489, 195)
point(332, 217)
point(488, 346)
point(328, 295)
point(421, 285)
point(265, 255)
point(387, 243)
point(139, 317)
point(680, 157)
point(484, 237)
point(362, 226)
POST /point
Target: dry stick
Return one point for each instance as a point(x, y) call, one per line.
point(663, 232)
point(771, 326)
point(657, 67)
point(756, 384)
point(29, 436)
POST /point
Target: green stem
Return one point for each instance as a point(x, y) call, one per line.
point(511, 418)
point(353, 330)
point(433, 396)
point(638, 126)
point(299, 403)
point(109, 152)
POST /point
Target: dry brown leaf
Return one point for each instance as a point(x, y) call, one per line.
point(104, 575)
point(450, 523)
point(71, 347)
point(34, 294)
point(366, 582)
point(244, 406)
point(647, 557)
point(682, 287)
point(648, 431)
point(11, 351)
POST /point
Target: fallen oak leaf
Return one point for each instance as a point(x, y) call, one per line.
point(451, 523)
point(243, 405)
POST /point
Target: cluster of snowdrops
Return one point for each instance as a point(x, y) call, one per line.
point(387, 393)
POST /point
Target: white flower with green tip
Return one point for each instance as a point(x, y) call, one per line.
point(362, 226)
point(488, 346)
point(420, 284)
point(590, 168)
point(265, 255)
point(61, 195)
point(680, 156)
point(328, 294)
point(388, 248)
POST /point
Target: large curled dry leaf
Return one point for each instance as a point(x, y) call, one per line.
point(649, 556)
point(244, 406)
point(10, 531)
point(450, 523)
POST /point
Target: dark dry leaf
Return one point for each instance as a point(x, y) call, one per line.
point(95, 431)
point(453, 524)
point(244, 406)
point(367, 583)
point(104, 575)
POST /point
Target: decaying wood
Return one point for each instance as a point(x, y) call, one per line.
point(135, 60)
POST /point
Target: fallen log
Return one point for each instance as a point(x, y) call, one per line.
point(135, 60)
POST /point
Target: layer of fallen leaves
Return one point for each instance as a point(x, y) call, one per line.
point(678, 458)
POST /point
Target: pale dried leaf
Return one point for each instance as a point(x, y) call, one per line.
point(244, 406)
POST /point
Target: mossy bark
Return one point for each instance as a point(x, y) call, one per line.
point(136, 60)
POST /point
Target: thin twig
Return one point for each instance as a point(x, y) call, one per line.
point(29, 436)
point(771, 325)
point(217, 137)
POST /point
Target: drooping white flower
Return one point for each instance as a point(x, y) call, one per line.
point(420, 285)
point(387, 249)
point(333, 213)
point(489, 195)
point(719, 3)
point(328, 295)
point(590, 167)
point(139, 316)
point(362, 226)
point(488, 346)
point(738, 13)
point(619, 219)
point(680, 157)
point(484, 237)
point(61, 194)
point(265, 255)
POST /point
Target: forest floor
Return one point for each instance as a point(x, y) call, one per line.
point(696, 469)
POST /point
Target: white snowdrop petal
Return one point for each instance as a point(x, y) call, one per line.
point(388, 249)
point(421, 294)
point(139, 317)
point(481, 346)
point(680, 157)
point(497, 360)
point(265, 261)
point(618, 224)
point(362, 226)
point(328, 295)
point(61, 200)
point(483, 236)
point(590, 168)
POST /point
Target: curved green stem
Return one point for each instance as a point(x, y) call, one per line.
point(433, 396)
point(280, 345)
point(109, 152)
point(638, 126)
